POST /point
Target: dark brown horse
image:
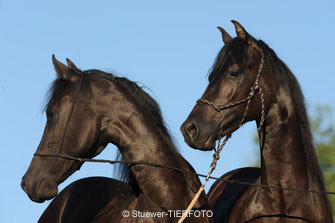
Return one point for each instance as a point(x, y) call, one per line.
point(287, 154)
point(86, 111)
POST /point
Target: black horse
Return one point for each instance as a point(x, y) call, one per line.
point(287, 154)
point(86, 111)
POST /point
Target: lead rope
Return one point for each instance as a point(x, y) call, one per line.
point(216, 155)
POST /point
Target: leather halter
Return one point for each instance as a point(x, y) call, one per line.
point(59, 155)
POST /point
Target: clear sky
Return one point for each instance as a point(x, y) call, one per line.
point(167, 46)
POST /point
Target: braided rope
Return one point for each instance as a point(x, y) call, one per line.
point(219, 108)
point(261, 123)
point(254, 88)
point(261, 94)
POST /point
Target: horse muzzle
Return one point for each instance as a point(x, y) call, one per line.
point(39, 191)
point(197, 139)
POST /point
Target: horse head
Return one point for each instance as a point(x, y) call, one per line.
point(236, 77)
point(72, 129)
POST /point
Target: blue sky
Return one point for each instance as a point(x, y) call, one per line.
point(167, 46)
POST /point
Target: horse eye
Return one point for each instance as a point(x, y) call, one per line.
point(234, 73)
point(50, 114)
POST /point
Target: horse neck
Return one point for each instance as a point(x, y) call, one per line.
point(142, 141)
point(286, 163)
point(283, 157)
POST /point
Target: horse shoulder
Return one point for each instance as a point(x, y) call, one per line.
point(223, 195)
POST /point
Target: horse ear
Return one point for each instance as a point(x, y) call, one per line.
point(243, 34)
point(225, 36)
point(240, 31)
point(63, 71)
point(71, 65)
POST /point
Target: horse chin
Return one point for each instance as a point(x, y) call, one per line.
point(208, 145)
point(42, 199)
point(45, 191)
point(204, 148)
point(44, 196)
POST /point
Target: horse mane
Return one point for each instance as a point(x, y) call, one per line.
point(146, 105)
point(278, 68)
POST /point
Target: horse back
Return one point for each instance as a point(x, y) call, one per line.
point(83, 200)
point(223, 195)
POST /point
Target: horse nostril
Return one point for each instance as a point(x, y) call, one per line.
point(192, 130)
